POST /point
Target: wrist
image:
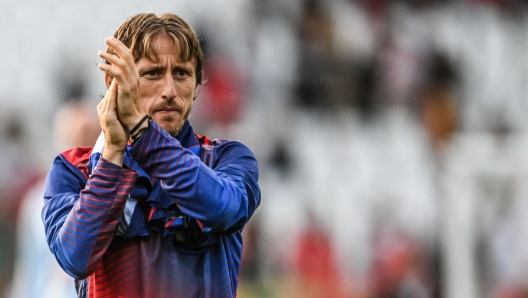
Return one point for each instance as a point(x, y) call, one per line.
point(142, 126)
point(133, 121)
point(113, 155)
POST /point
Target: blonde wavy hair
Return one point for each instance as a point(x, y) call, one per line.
point(138, 31)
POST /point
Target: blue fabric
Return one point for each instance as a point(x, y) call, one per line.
point(193, 194)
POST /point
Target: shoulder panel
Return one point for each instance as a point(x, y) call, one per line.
point(79, 158)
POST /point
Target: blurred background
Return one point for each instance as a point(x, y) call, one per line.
point(392, 137)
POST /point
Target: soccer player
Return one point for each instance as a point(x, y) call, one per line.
point(153, 210)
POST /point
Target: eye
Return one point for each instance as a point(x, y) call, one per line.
point(181, 73)
point(150, 74)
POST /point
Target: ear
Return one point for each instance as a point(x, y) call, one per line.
point(195, 95)
point(108, 80)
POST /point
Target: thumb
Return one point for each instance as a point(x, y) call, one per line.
point(113, 93)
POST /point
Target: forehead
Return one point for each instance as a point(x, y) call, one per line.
point(163, 47)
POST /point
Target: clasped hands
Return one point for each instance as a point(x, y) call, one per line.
point(119, 110)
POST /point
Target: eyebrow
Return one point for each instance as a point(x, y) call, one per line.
point(189, 68)
point(184, 66)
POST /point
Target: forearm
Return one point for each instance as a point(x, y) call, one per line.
point(217, 198)
point(80, 234)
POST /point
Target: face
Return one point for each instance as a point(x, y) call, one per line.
point(166, 86)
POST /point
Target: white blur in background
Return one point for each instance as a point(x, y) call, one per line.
point(391, 135)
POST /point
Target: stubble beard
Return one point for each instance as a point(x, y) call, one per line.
point(176, 129)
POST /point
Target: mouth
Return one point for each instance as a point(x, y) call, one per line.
point(167, 111)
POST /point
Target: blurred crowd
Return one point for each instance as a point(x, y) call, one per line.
point(391, 138)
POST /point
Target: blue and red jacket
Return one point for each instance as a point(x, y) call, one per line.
point(166, 224)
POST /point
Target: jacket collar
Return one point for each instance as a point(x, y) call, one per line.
point(187, 137)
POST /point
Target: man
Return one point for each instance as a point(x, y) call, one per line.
point(153, 210)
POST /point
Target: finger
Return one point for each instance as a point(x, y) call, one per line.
point(113, 59)
point(113, 71)
point(112, 96)
point(119, 70)
point(124, 55)
point(120, 49)
point(103, 105)
point(100, 106)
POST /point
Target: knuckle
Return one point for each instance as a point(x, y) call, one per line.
point(121, 62)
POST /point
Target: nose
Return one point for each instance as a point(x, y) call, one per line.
point(168, 87)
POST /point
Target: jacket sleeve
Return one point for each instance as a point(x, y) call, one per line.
point(222, 198)
point(80, 215)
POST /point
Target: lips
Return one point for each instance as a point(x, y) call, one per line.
point(167, 110)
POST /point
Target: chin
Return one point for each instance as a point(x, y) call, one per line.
point(172, 125)
point(173, 129)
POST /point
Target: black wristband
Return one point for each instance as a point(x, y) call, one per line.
point(133, 130)
point(140, 132)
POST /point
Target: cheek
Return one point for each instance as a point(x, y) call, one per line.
point(187, 91)
point(146, 96)
point(145, 101)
